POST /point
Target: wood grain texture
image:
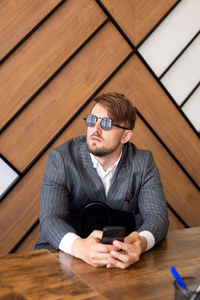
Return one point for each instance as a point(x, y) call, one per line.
point(150, 278)
point(55, 105)
point(39, 275)
point(180, 193)
point(174, 222)
point(29, 243)
point(135, 81)
point(46, 50)
point(50, 274)
point(137, 17)
point(18, 18)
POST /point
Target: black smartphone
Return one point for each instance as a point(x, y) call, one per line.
point(112, 233)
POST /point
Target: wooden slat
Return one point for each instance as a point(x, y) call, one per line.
point(44, 117)
point(40, 56)
point(30, 241)
point(180, 193)
point(174, 222)
point(18, 18)
point(135, 81)
point(137, 17)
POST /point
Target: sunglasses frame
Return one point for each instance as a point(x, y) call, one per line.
point(116, 125)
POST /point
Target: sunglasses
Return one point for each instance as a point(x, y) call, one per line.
point(106, 123)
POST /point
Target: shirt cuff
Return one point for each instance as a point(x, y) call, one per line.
point(149, 237)
point(67, 241)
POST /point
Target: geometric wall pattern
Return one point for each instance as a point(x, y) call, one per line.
point(172, 52)
point(57, 55)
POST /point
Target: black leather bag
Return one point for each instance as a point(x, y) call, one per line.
point(96, 215)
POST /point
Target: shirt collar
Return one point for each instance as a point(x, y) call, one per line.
point(96, 163)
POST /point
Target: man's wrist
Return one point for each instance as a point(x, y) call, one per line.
point(76, 247)
point(144, 243)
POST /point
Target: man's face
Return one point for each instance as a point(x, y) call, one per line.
point(103, 142)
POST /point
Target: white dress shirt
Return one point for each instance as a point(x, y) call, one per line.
point(106, 176)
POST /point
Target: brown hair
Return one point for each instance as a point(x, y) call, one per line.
point(119, 108)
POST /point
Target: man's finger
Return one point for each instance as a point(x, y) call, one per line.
point(123, 246)
point(96, 234)
point(122, 256)
point(114, 263)
point(105, 248)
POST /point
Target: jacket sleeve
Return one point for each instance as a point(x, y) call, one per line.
point(151, 202)
point(54, 201)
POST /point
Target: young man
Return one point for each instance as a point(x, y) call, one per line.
point(103, 167)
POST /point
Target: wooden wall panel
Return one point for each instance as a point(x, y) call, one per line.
point(174, 223)
point(135, 81)
point(64, 95)
point(177, 187)
point(137, 17)
point(44, 52)
point(103, 62)
point(29, 243)
point(18, 18)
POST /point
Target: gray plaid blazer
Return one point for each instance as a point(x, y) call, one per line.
point(70, 182)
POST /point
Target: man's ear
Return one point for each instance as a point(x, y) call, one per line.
point(127, 135)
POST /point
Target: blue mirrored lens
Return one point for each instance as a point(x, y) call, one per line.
point(91, 120)
point(106, 123)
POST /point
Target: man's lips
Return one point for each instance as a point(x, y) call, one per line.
point(95, 138)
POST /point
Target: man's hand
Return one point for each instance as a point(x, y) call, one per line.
point(132, 248)
point(91, 250)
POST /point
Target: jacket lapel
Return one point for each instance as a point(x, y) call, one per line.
point(93, 183)
point(120, 182)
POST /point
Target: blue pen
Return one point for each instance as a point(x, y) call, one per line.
point(178, 278)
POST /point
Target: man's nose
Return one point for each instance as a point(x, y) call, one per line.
point(98, 126)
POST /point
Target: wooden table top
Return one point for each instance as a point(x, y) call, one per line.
point(45, 274)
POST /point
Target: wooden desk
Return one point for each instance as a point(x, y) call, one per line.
point(55, 275)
